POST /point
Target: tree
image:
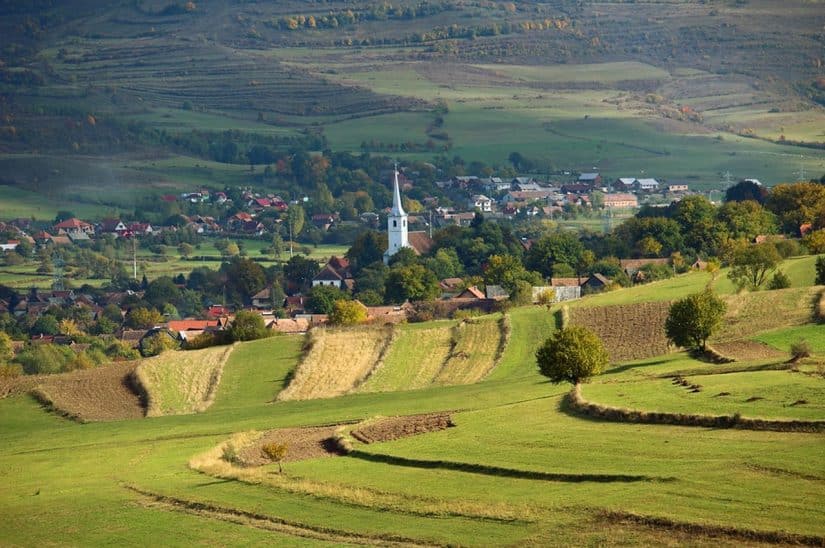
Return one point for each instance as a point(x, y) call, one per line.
point(507, 271)
point(6, 349)
point(248, 326)
point(347, 313)
point(815, 241)
point(143, 318)
point(275, 452)
point(572, 355)
point(367, 248)
point(46, 325)
point(746, 190)
point(752, 264)
point(692, 320)
point(413, 282)
point(746, 219)
point(45, 359)
point(185, 249)
point(820, 270)
point(558, 247)
point(295, 220)
point(322, 298)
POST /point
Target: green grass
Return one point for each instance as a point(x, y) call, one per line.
point(775, 390)
point(414, 359)
point(512, 450)
point(784, 338)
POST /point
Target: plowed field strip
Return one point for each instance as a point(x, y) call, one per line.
point(270, 523)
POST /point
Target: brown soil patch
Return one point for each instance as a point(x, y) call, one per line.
point(747, 350)
point(101, 394)
point(401, 427)
point(628, 331)
point(302, 443)
point(322, 441)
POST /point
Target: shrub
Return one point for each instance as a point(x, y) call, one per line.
point(10, 370)
point(230, 454)
point(157, 343)
point(276, 452)
point(780, 280)
point(347, 313)
point(248, 326)
point(820, 270)
point(800, 349)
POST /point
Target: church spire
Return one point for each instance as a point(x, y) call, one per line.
point(397, 208)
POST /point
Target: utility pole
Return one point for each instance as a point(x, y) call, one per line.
point(134, 257)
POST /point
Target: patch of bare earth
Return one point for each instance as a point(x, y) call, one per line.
point(302, 443)
point(747, 350)
point(401, 427)
point(320, 441)
point(101, 394)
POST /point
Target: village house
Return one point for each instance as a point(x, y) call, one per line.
point(73, 226)
point(646, 185)
point(481, 203)
point(590, 179)
point(336, 273)
point(620, 200)
point(623, 184)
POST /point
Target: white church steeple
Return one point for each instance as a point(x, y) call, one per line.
point(396, 223)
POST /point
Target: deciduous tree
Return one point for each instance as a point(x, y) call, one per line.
point(692, 320)
point(572, 354)
point(752, 264)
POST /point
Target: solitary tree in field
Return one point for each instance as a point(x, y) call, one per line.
point(693, 320)
point(276, 452)
point(572, 355)
point(752, 264)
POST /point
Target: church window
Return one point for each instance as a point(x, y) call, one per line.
point(394, 223)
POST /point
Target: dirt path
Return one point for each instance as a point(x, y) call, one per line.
point(748, 350)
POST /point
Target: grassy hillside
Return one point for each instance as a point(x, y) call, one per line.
point(515, 469)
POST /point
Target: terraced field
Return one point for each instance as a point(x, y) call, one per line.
point(415, 358)
point(337, 362)
point(181, 382)
point(475, 349)
point(629, 332)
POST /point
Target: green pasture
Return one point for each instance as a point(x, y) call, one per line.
point(766, 393)
point(512, 451)
point(783, 338)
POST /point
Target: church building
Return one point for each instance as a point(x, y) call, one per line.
point(398, 234)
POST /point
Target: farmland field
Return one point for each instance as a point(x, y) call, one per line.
point(182, 382)
point(337, 362)
point(514, 469)
point(629, 332)
point(476, 347)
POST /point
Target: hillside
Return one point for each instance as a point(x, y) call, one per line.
point(104, 91)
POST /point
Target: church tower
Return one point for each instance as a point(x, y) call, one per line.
point(396, 224)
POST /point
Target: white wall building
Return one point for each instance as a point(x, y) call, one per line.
point(397, 234)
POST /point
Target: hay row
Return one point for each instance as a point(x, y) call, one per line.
point(337, 362)
point(474, 349)
point(181, 382)
point(575, 402)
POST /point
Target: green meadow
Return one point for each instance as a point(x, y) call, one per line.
point(517, 468)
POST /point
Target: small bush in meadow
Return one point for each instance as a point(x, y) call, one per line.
point(230, 454)
point(276, 452)
point(780, 280)
point(800, 349)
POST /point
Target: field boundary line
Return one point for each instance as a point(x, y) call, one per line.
point(575, 403)
point(272, 523)
point(771, 537)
